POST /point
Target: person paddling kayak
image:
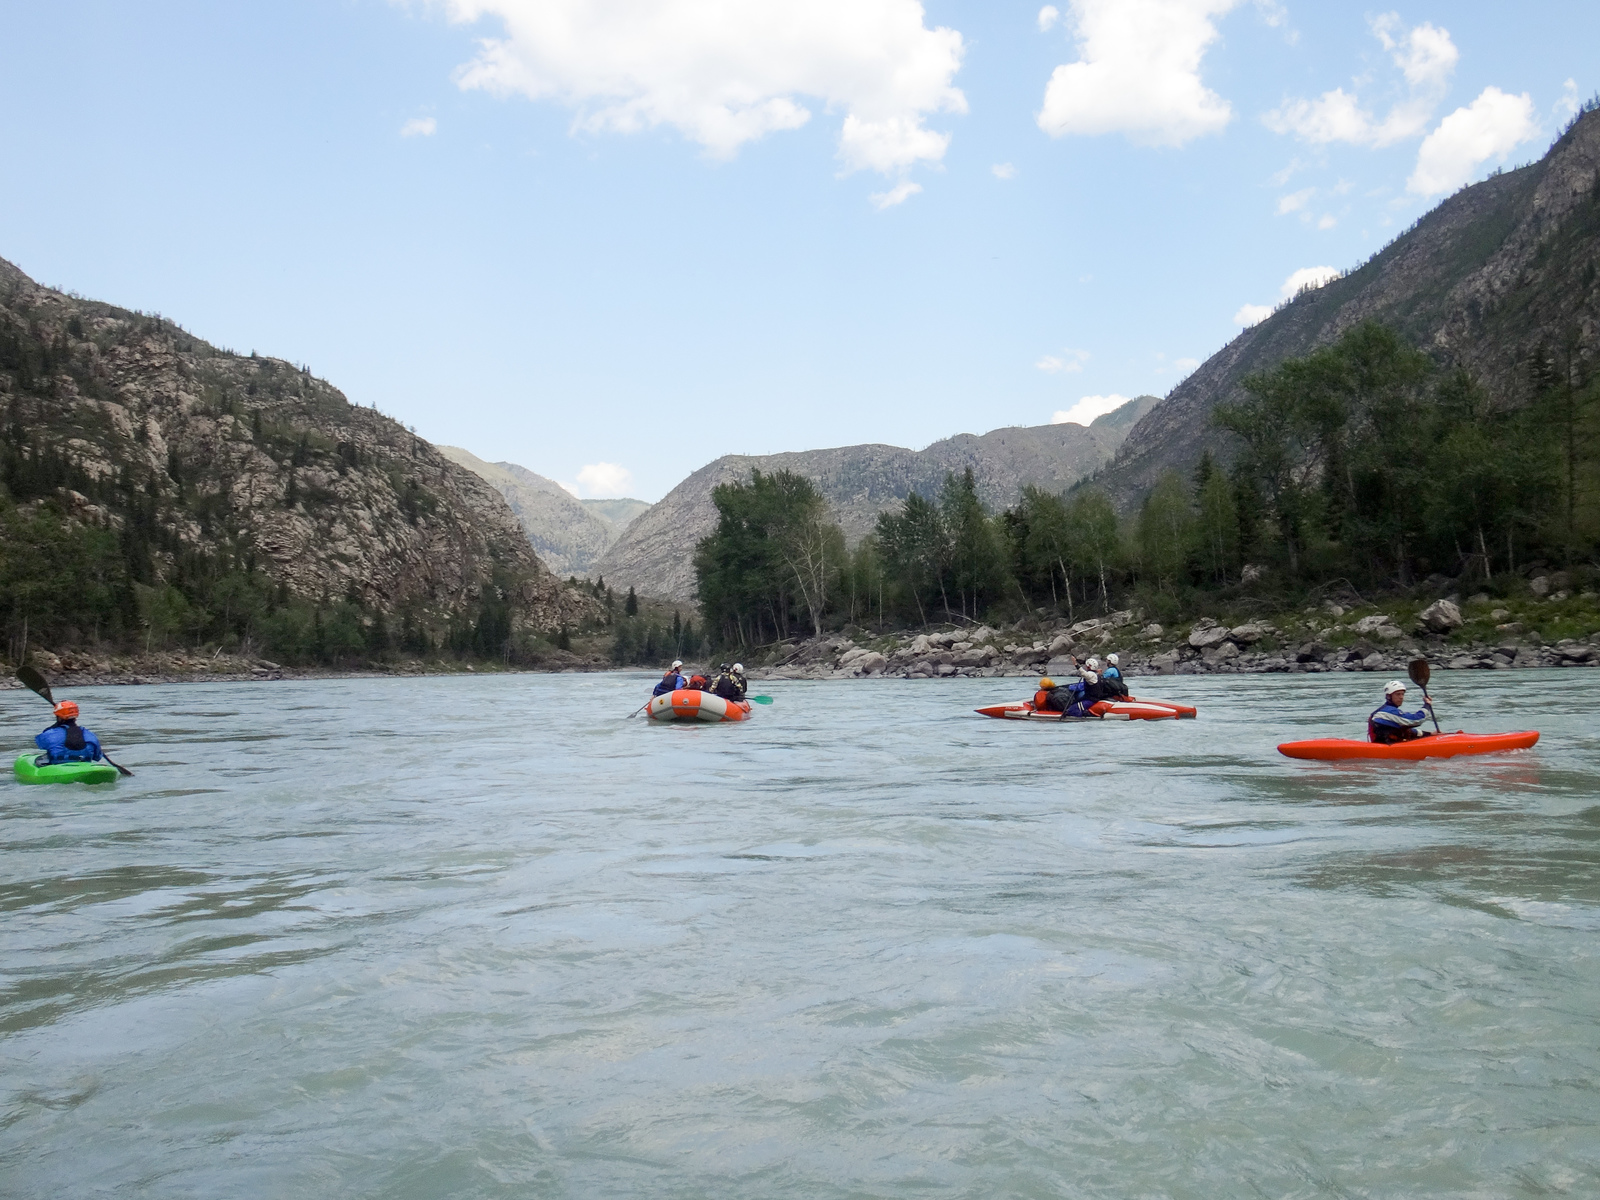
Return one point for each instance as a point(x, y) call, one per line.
point(1389, 723)
point(1111, 679)
point(66, 740)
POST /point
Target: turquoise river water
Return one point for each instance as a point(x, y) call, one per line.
point(482, 937)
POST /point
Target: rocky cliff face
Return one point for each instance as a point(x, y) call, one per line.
point(656, 553)
point(1489, 280)
point(568, 534)
point(254, 461)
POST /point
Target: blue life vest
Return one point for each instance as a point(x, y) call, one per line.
point(670, 683)
point(64, 742)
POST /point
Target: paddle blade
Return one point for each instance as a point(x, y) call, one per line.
point(759, 699)
point(1419, 672)
point(30, 678)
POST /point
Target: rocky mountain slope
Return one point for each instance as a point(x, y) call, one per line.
point(1493, 279)
point(656, 552)
point(192, 455)
point(568, 534)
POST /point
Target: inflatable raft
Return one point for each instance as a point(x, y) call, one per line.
point(1105, 710)
point(687, 704)
point(29, 771)
point(1440, 745)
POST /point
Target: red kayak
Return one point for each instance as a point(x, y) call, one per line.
point(1440, 745)
point(1105, 710)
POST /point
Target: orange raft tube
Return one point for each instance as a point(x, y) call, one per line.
point(688, 704)
point(1440, 745)
point(1130, 709)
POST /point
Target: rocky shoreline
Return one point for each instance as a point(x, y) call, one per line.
point(1328, 638)
point(84, 669)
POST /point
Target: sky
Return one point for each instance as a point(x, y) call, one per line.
point(612, 240)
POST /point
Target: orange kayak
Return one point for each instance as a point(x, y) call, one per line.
point(687, 704)
point(1105, 710)
point(1440, 745)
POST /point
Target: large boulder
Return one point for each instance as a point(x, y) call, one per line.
point(1204, 637)
point(1440, 617)
point(1248, 633)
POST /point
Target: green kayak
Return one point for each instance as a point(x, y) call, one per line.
point(28, 771)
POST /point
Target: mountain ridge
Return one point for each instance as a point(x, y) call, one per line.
point(1484, 280)
point(655, 553)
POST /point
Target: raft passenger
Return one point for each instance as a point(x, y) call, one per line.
point(730, 684)
point(1389, 723)
point(1111, 679)
point(671, 679)
point(1069, 700)
point(66, 740)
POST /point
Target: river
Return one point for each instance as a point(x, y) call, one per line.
point(482, 937)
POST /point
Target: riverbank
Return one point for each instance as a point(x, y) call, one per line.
point(78, 668)
point(1546, 627)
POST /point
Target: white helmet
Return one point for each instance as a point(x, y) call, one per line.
point(1113, 659)
point(676, 663)
point(738, 668)
point(1393, 686)
point(1092, 663)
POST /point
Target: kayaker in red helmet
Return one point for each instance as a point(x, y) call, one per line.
point(1389, 723)
point(66, 740)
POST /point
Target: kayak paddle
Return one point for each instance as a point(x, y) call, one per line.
point(1420, 673)
point(30, 678)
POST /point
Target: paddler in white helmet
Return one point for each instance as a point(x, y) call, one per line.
point(671, 679)
point(1390, 723)
point(1111, 679)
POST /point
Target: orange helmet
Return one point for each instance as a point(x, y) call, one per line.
point(67, 708)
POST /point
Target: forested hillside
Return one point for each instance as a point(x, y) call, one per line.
point(1500, 279)
point(1362, 469)
point(158, 490)
point(656, 552)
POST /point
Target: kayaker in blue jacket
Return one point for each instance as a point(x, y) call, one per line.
point(1111, 677)
point(1390, 723)
point(671, 679)
point(66, 740)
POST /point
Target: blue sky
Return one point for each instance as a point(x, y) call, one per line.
point(613, 239)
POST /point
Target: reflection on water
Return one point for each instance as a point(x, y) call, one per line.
point(866, 944)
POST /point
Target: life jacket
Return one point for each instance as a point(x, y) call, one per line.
point(76, 743)
point(728, 687)
point(697, 683)
point(1385, 734)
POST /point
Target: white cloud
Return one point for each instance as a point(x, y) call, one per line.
point(570, 488)
point(1088, 408)
point(1048, 16)
point(1138, 72)
point(1426, 58)
point(898, 194)
point(419, 127)
point(1296, 201)
point(1327, 221)
point(1568, 105)
point(724, 74)
point(1004, 171)
point(604, 480)
point(1298, 281)
point(1489, 128)
point(1306, 277)
point(1068, 362)
point(1186, 364)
